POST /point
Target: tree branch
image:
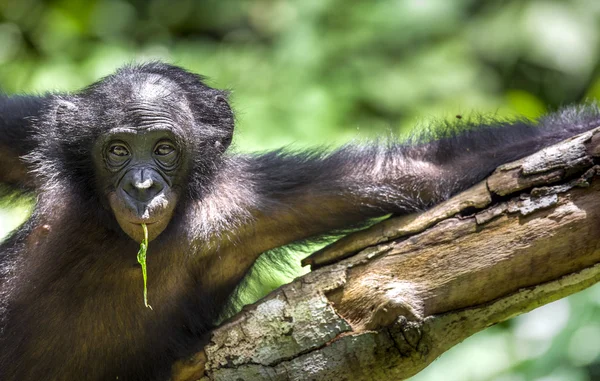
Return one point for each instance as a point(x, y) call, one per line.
point(383, 303)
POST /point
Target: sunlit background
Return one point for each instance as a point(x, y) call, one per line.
point(328, 71)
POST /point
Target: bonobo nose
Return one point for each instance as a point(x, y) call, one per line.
point(143, 184)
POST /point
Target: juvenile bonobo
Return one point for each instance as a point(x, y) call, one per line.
point(148, 144)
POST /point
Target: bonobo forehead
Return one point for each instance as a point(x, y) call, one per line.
point(154, 101)
point(155, 115)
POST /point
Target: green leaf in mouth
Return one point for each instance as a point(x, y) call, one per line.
point(141, 257)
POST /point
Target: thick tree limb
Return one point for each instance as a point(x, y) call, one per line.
point(529, 234)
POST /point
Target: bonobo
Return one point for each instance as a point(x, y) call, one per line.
point(148, 145)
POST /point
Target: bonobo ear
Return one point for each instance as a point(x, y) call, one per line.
point(227, 121)
point(62, 107)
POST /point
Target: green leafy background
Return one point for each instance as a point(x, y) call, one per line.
point(328, 71)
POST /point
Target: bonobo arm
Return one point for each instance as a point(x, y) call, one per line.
point(295, 196)
point(16, 113)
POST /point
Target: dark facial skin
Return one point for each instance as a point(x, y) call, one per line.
point(141, 166)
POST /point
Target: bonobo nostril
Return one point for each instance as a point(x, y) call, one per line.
point(142, 184)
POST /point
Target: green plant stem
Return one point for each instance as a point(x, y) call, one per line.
point(141, 257)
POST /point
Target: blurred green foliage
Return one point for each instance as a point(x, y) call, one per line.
point(327, 71)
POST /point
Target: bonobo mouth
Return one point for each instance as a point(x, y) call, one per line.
point(140, 222)
point(155, 213)
point(148, 220)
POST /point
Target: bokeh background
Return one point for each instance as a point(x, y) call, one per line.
point(328, 71)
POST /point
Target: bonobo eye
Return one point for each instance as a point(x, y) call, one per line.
point(166, 155)
point(118, 149)
point(117, 155)
point(164, 149)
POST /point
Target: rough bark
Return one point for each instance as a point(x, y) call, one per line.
point(383, 303)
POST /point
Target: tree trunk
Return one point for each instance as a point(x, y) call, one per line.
point(383, 303)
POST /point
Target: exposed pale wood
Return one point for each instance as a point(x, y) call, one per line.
point(418, 285)
point(476, 197)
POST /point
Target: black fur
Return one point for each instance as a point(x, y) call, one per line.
point(70, 287)
point(15, 131)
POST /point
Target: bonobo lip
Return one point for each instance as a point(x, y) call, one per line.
point(142, 222)
point(139, 221)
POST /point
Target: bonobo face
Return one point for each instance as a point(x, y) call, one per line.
point(142, 167)
point(157, 134)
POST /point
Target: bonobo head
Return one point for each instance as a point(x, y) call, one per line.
point(153, 136)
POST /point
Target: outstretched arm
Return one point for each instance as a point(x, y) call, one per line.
point(16, 113)
point(294, 196)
